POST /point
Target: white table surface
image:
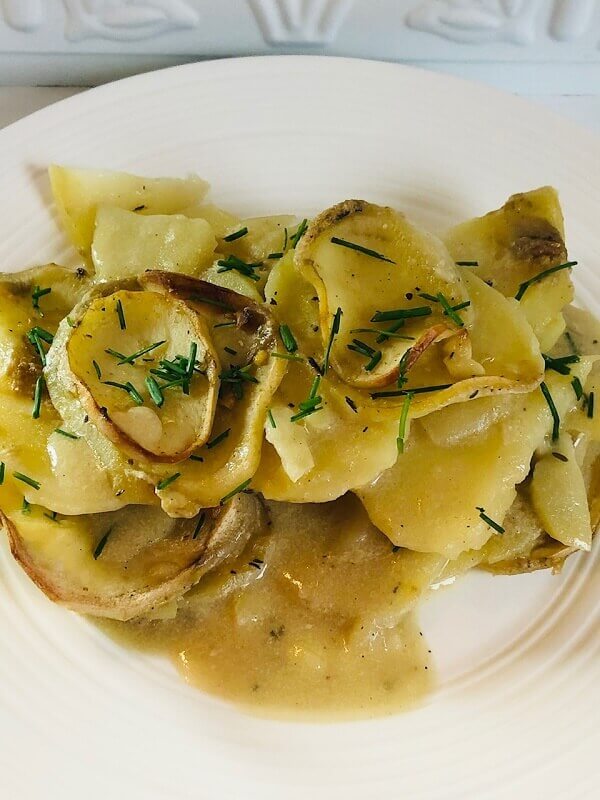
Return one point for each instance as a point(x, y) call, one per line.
point(18, 101)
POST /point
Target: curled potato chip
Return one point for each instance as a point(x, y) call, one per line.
point(514, 244)
point(129, 562)
point(78, 193)
point(370, 262)
point(117, 338)
point(125, 243)
point(431, 499)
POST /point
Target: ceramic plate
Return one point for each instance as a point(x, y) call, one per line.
point(519, 674)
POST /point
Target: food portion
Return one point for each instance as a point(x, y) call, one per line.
point(274, 437)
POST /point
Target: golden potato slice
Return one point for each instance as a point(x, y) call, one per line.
point(128, 562)
point(514, 244)
point(371, 263)
point(78, 193)
point(126, 244)
point(117, 338)
point(431, 499)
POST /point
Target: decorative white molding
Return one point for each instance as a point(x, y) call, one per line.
point(478, 21)
point(572, 18)
point(312, 22)
point(126, 20)
point(24, 15)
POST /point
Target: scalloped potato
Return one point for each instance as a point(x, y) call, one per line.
point(281, 434)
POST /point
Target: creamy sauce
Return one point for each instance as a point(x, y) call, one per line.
point(314, 619)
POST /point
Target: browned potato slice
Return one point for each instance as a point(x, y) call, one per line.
point(129, 562)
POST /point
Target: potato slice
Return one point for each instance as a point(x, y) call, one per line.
point(266, 236)
point(126, 244)
point(78, 193)
point(559, 496)
point(111, 326)
point(430, 499)
point(129, 562)
point(514, 244)
point(367, 259)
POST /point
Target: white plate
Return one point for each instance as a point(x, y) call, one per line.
point(515, 715)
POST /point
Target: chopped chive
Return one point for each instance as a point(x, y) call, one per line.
point(560, 457)
point(199, 525)
point(540, 276)
point(67, 434)
point(314, 365)
point(232, 262)
point(560, 365)
point(218, 439)
point(376, 358)
point(590, 405)
point(306, 412)
point(300, 231)
point(115, 353)
point(230, 350)
point(38, 292)
point(577, 388)
point(25, 506)
point(238, 374)
point(26, 479)
point(198, 298)
point(196, 458)
point(129, 388)
point(366, 251)
point(271, 418)
point(45, 335)
point(225, 325)
point(121, 315)
point(314, 388)
point(553, 411)
point(403, 421)
point(36, 336)
point(335, 328)
point(403, 368)
point(2, 472)
point(52, 515)
point(460, 306)
point(401, 313)
point(351, 403)
point(426, 296)
point(70, 322)
point(167, 481)
point(37, 397)
point(237, 235)
point(274, 256)
point(235, 491)
point(285, 239)
point(417, 390)
point(287, 356)
point(154, 391)
point(383, 335)
point(101, 544)
point(191, 366)
point(467, 263)
point(130, 359)
point(97, 370)
point(495, 525)
point(287, 337)
point(449, 310)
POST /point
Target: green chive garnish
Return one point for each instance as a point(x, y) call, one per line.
point(67, 434)
point(553, 411)
point(230, 350)
point(129, 388)
point(97, 370)
point(537, 278)
point(287, 356)
point(154, 391)
point(2, 472)
point(52, 516)
point(235, 263)
point(101, 544)
point(467, 263)
point(37, 397)
point(274, 256)
point(199, 525)
point(70, 322)
point(351, 403)
point(560, 365)
point(577, 388)
point(366, 251)
point(225, 325)
point(130, 359)
point(26, 479)
point(401, 313)
point(590, 406)
point(237, 235)
point(167, 481)
point(287, 337)
point(36, 336)
point(196, 458)
point(235, 491)
point(271, 418)
point(403, 367)
point(121, 315)
point(218, 439)
point(25, 506)
point(335, 329)
point(402, 422)
point(383, 335)
point(404, 392)
point(496, 526)
point(300, 231)
point(449, 311)
point(35, 297)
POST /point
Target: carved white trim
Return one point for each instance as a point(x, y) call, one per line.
point(24, 15)
point(312, 22)
point(126, 20)
point(571, 18)
point(478, 21)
